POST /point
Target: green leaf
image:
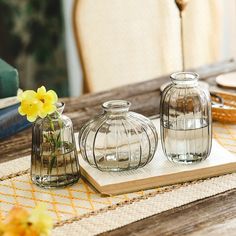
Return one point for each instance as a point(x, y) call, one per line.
point(52, 162)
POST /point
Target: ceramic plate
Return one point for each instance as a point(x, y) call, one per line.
point(227, 80)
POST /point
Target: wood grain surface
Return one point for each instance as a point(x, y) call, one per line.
point(212, 216)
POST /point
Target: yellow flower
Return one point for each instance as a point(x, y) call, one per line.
point(17, 223)
point(1, 228)
point(48, 100)
point(37, 104)
point(30, 105)
point(20, 223)
point(41, 221)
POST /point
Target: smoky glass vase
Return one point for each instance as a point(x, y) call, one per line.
point(118, 139)
point(54, 161)
point(186, 123)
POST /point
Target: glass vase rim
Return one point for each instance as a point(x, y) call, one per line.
point(184, 77)
point(116, 106)
point(60, 107)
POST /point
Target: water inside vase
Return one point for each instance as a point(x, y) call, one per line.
point(55, 168)
point(189, 145)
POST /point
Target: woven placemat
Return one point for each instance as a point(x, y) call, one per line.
point(152, 204)
point(79, 210)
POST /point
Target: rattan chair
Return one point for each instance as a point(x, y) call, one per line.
point(126, 41)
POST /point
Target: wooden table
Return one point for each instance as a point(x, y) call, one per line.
point(210, 216)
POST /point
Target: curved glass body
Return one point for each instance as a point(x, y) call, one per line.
point(54, 161)
point(118, 139)
point(186, 131)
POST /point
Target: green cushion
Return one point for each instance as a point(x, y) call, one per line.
point(9, 80)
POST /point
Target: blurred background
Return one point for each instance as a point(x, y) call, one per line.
point(37, 38)
point(33, 40)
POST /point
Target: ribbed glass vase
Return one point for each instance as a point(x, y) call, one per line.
point(54, 161)
point(186, 123)
point(118, 140)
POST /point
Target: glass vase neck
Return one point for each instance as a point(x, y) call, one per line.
point(60, 108)
point(116, 106)
point(185, 78)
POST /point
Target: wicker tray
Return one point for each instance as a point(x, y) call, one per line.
point(225, 113)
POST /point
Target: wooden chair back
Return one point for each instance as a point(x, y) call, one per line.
point(122, 42)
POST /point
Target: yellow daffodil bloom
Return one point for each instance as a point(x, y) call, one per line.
point(40, 220)
point(48, 100)
point(20, 223)
point(30, 105)
point(1, 228)
point(17, 223)
point(37, 104)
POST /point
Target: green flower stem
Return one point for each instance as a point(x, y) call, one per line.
point(55, 142)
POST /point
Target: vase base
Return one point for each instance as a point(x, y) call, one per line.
point(50, 182)
point(186, 159)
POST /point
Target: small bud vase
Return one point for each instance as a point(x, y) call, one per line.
point(119, 139)
point(54, 160)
